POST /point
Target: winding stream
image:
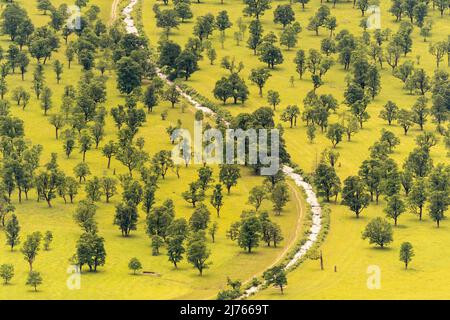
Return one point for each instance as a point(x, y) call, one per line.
point(311, 197)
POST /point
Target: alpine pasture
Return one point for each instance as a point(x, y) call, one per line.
point(329, 107)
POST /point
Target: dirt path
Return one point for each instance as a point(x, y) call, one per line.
point(114, 7)
point(288, 171)
point(292, 241)
point(301, 216)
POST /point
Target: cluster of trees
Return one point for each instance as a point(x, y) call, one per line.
point(379, 232)
point(177, 62)
point(364, 57)
point(261, 118)
point(379, 175)
point(80, 111)
point(416, 10)
point(233, 86)
point(256, 226)
point(183, 63)
point(90, 247)
point(419, 113)
point(275, 276)
point(164, 229)
point(253, 228)
point(81, 120)
point(322, 18)
point(30, 249)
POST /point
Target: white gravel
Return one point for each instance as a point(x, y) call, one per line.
point(311, 197)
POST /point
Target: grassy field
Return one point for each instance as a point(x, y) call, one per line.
point(343, 248)
point(114, 281)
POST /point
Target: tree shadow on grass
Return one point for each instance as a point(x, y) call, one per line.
point(9, 284)
point(376, 248)
point(410, 270)
point(400, 226)
point(354, 218)
point(86, 272)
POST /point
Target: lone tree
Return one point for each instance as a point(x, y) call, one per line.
point(259, 77)
point(134, 265)
point(85, 143)
point(31, 248)
point(290, 114)
point(217, 198)
point(279, 196)
point(129, 75)
point(48, 238)
point(46, 100)
point(175, 249)
point(335, 133)
point(378, 231)
point(162, 161)
point(91, 251)
point(417, 197)
point(284, 15)
point(390, 112)
point(256, 8)
point(326, 181)
point(34, 279)
point(229, 175)
point(438, 205)
point(200, 218)
point(205, 177)
point(150, 98)
point(126, 218)
point(172, 95)
point(406, 253)
point(6, 272)
point(395, 207)
point(58, 68)
point(109, 150)
point(354, 194)
point(194, 194)
point(197, 251)
point(12, 230)
point(58, 121)
point(256, 196)
point(84, 216)
point(213, 230)
point(81, 171)
point(276, 276)
point(273, 98)
point(250, 233)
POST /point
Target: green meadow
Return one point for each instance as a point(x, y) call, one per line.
point(343, 247)
point(346, 256)
point(115, 280)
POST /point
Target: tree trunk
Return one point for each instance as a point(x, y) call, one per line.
point(321, 260)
